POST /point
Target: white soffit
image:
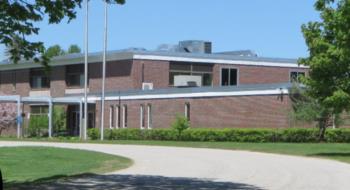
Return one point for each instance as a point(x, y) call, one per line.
point(218, 61)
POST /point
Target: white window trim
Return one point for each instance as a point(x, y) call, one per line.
point(293, 71)
point(229, 67)
point(111, 117)
point(124, 116)
point(142, 110)
point(187, 105)
point(149, 116)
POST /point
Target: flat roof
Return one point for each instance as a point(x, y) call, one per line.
point(78, 58)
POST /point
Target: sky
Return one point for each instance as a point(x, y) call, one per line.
point(271, 28)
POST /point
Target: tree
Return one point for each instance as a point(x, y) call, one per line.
point(328, 41)
point(54, 50)
point(18, 18)
point(7, 116)
point(74, 49)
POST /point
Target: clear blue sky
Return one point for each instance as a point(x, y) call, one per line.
point(269, 27)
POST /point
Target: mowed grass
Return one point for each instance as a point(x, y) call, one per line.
point(335, 151)
point(31, 164)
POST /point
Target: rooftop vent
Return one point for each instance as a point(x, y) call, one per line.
point(195, 46)
point(245, 53)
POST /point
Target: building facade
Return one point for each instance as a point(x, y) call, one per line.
point(147, 89)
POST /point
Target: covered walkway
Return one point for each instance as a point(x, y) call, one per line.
point(50, 101)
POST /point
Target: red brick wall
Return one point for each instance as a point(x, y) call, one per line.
point(156, 72)
point(218, 112)
point(58, 81)
point(256, 74)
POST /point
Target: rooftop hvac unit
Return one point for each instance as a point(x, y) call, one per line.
point(187, 81)
point(147, 86)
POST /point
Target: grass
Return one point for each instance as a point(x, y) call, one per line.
point(334, 151)
point(33, 164)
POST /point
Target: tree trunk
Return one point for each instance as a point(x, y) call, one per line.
point(322, 124)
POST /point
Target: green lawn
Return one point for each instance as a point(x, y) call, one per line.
point(335, 151)
point(30, 164)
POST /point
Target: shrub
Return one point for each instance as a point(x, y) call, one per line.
point(38, 125)
point(93, 133)
point(298, 135)
point(180, 124)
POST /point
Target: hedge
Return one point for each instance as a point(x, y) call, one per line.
point(302, 135)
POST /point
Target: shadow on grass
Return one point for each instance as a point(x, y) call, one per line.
point(333, 154)
point(127, 182)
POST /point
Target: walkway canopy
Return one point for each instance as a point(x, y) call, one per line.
point(44, 100)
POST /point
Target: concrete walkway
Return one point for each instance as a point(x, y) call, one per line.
point(189, 168)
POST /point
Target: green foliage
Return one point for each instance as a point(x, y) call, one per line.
point(328, 41)
point(38, 125)
point(53, 51)
point(18, 21)
point(74, 49)
point(59, 119)
point(180, 124)
point(93, 133)
point(295, 135)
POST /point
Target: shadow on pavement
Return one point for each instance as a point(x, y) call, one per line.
point(130, 182)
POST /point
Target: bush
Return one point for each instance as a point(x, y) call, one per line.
point(180, 124)
point(295, 135)
point(38, 125)
point(93, 133)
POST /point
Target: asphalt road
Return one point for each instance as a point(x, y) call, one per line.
point(192, 168)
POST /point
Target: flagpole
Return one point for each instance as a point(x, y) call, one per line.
point(104, 70)
point(86, 70)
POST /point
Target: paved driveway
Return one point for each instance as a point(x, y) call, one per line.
point(189, 168)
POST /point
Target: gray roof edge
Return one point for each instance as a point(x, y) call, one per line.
point(129, 54)
point(248, 87)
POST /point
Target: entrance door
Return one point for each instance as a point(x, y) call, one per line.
point(74, 123)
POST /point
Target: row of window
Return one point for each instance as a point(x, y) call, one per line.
point(75, 75)
point(118, 117)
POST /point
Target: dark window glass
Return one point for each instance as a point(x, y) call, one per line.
point(295, 76)
point(229, 77)
point(39, 79)
point(225, 77)
point(125, 116)
point(75, 75)
point(233, 77)
point(39, 110)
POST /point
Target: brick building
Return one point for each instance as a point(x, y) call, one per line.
point(147, 89)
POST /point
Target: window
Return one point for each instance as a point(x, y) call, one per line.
point(204, 70)
point(39, 110)
point(229, 77)
point(39, 79)
point(117, 116)
point(295, 76)
point(111, 116)
point(14, 81)
point(149, 116)
point(125, 116)
point(142, 118)
point(75, 75)
point(188, 111)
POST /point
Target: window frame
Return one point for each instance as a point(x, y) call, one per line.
point(149, 116)
point(229, 68)
point(40, 75)
point(67, 74)
point(142, 116)
point(191, 71)
point(298, 72)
